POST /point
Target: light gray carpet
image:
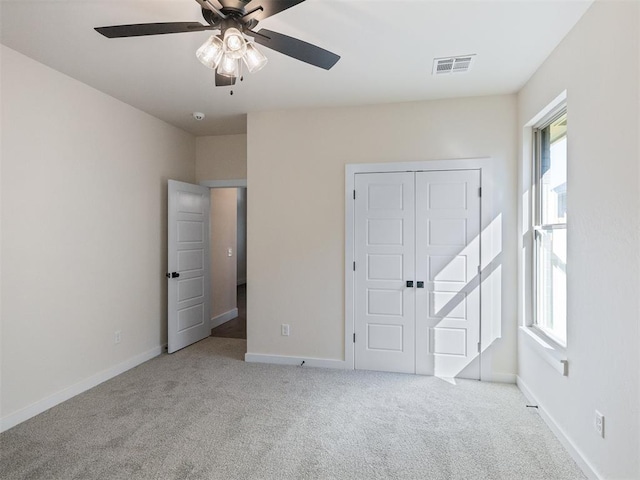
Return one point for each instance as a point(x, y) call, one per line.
point(203, 413)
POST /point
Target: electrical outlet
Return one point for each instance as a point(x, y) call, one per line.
point(229, 252)
point(599, 423)
point(117, 337)
point(285, 329)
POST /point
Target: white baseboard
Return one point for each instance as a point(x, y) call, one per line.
point(51, 401)
point(223, 318)
point(566, 442)
point(286, 360)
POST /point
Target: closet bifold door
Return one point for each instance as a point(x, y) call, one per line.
point(447, 260)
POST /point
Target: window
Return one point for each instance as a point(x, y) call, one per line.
point(550, 228)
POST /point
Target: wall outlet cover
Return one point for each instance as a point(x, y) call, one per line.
point(599, 423)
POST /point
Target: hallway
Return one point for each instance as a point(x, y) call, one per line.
point(236, 328)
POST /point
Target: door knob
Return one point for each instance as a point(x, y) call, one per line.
point(173, 275)
point(409, 283)
point(420, 284)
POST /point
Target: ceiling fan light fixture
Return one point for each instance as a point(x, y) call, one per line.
point(211, 51)
point(235, 45)
point(228, 67)
point(254, 59)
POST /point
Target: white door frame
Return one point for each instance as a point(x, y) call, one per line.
point(240, 183)
point(490, 246)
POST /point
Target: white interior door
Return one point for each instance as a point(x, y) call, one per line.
point(384, 243)
point(188, 265)
point(424, 228)
point(448, 260)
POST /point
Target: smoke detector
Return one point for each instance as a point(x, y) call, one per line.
point(198, 116)
point(447, 65)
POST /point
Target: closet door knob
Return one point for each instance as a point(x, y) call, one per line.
point(420, 284)
point(409, 283)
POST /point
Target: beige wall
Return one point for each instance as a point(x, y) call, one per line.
point(222, 157)
point(603, 265)
point(84, 180)
point(224, 203)
point(296, 211)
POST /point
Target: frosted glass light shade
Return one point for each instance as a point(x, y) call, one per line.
point(234, 43)
point(254, 59)
point(228, 67)
point(210, 53)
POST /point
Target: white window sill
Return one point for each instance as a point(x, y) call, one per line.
point(551, 353)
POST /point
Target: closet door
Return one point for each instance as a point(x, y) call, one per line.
point(447, 261)
point(385, 261)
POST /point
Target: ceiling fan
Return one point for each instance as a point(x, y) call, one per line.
point(235, 20)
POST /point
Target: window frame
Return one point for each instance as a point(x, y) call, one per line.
point(537, 225)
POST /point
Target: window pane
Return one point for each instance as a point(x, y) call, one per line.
point(553, 172)
point(551, 246)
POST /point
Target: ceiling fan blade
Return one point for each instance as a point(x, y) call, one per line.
point(297, 49)
point(142, 29)
point(270, 7)
point(223, 81)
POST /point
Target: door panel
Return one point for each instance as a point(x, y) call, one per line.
point(188, 250)
point(448, 341)
point(447, 258)
point(447, 232)
point(385, 337)
point(192, 288)
point(384, 242)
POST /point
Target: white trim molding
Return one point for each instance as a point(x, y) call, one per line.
point(553, 355)
point(560, 434)
point(240, 183)
point(57, 398)
point(286, 360)
point(224, 317)
point(490, 255)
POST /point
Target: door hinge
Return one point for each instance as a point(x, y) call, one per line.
point(479, 348)
point(479, 270)
point(480, 191)
point(354, 266)
point(354, 338)
point(354, 194)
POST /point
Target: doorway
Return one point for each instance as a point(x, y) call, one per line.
point(234, 327)
point(203, 260)
point(228, 265)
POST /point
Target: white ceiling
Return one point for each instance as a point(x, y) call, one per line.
point(387, 49)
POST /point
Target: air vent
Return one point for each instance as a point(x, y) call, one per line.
point(444, 66)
